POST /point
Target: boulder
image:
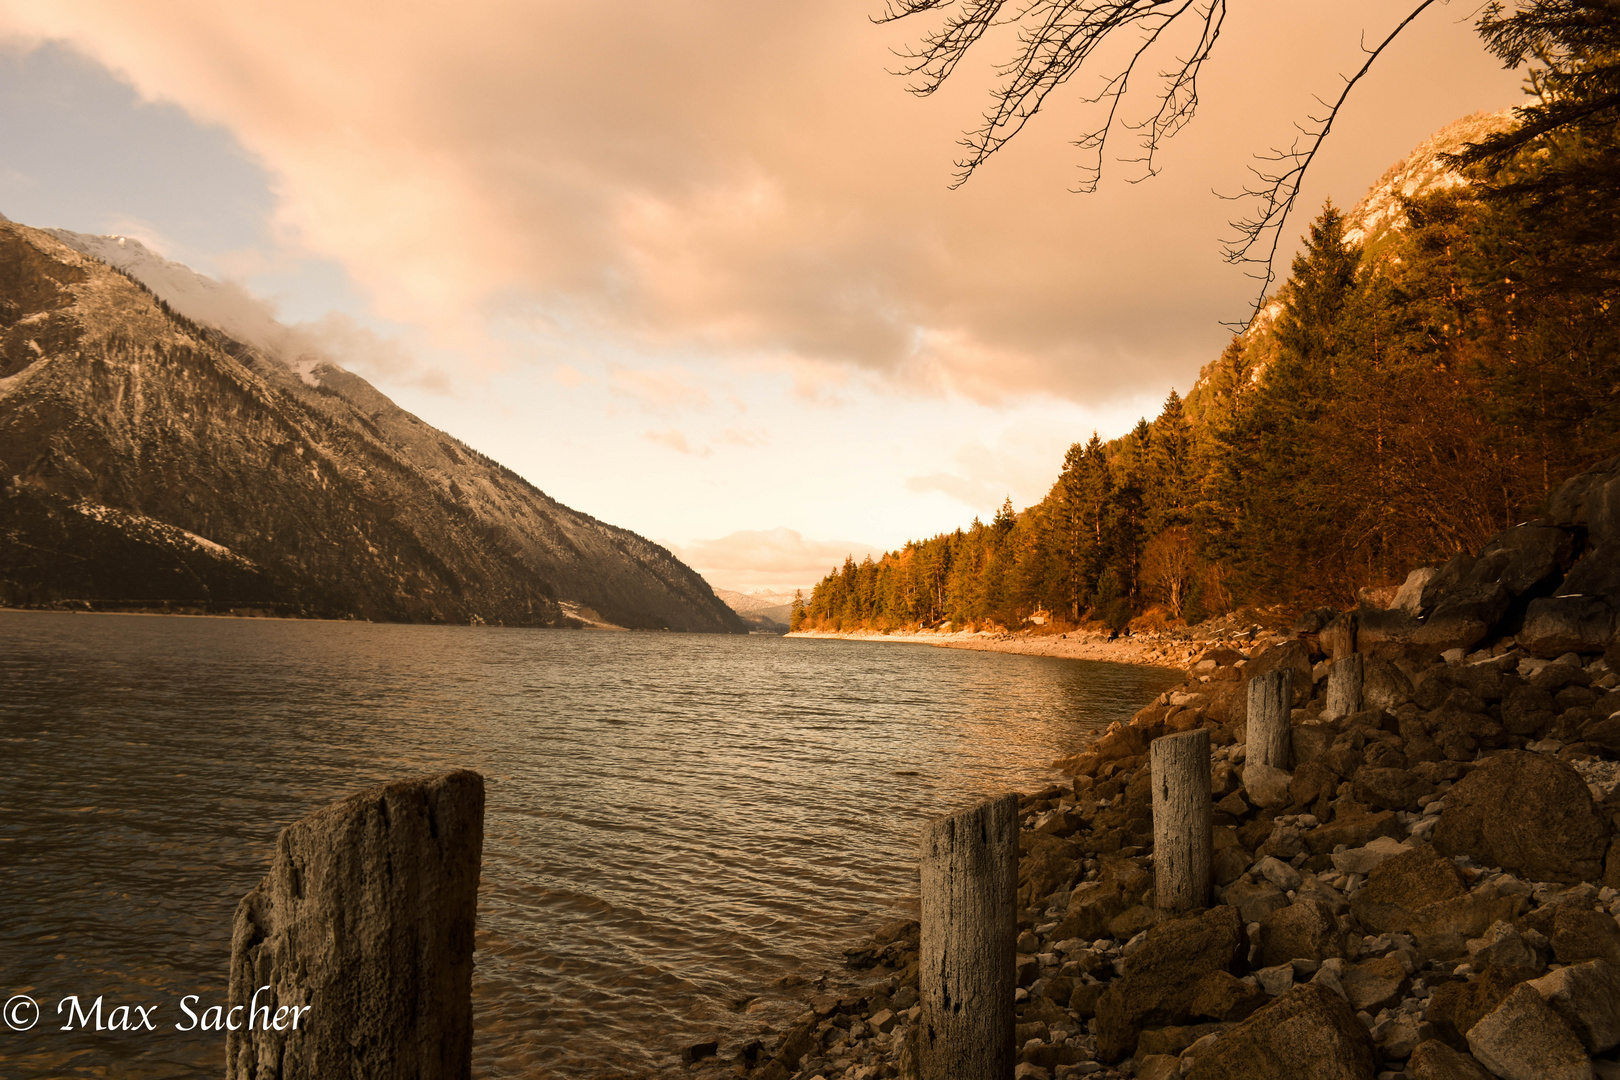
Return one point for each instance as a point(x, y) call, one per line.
point(1092, 906)
point(1455, 1007)
point(1161, 976)
point(1383, 685)
point(1389, 789)
point(1404, 886)
point(1524, 558)
point(1378, 629)
point(1409, 597)
point(1581, 934)
point(1309, 1031)
point(1530, 814)
point(1311, 781)
point(1443, 929)
point(1524, 1039)
point(1465, 617)
point(1254, 900)
point(1590, 500)
point(1587, 996)
point(1304, 930)
point(1266, 786)
point(1555, 625)
point(1434, 1060)
point(1223, 997)
point(1374, 984)
point(1597, 574)
point(1354, 831)
point(1364, 860)
point(1527, 711)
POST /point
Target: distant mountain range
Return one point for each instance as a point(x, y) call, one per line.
point(165, 444)
point(768, 611)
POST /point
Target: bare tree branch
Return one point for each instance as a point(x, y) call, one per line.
point(1279, 190)
point(1058, 39)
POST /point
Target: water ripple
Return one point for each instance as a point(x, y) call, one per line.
point(673, 821)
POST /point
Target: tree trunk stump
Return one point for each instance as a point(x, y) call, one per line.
point(1271, 701)
point(969, 871)
point(1344, 688)
point(365, 925)
point(1183, 821)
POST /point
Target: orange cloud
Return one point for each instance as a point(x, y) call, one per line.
point(736, 179)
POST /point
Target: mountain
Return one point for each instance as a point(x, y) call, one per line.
point(1380, 214)
point(769, 611)
point(1376, 220)
point(163, 445)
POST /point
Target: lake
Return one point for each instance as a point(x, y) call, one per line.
point(673, 821)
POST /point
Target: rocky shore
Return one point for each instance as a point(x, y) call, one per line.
point(1168, 648)
point(1430, 892)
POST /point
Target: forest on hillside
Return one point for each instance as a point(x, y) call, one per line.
point(1399, 400)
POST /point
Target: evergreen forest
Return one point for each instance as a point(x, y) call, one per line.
point(1411, 390)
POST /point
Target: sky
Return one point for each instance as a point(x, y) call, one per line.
point(696, 268)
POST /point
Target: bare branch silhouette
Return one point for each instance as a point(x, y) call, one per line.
point(1278, 189)
point(1058, 39)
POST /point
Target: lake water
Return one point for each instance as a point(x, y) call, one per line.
point(673, 821)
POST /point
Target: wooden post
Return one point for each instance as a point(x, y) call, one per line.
point(1183, 821)
point(969, 870)
point(1271, 701)
point(1343, 687)
point(363, 931)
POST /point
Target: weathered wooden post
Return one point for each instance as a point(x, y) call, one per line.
point(353, 957)
point(1271, 701)
point(1344, 687)
point(1183, 821)
point(969, 872)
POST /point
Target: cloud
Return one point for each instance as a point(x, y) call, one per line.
point(974, 493)
point(659, 390)
point(775, 559)
point(742, 180)
point(677, 442)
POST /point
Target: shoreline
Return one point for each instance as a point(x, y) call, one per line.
point(1362, 908)
point(1174, 649)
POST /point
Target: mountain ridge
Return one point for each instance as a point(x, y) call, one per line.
point(341, 503)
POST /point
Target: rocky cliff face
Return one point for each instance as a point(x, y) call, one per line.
point(147, 459)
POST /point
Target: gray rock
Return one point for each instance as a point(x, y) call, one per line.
point(1254, 900)
point(366, 917)
point(1591, 501)
point(1265, 785)
point(1279, 873)
point(1587, 996)
point(1374, 985)
point(1505, 946)
point(1403, 1034)
point(1554, 832)
point(1409, 597)
point(1383, 685)
point(1308, 1032)
point(1304, 930)
point(1364, 860)
point(1524, 1039)
point(1276, 980)
point(1434, 1060)
point(1555, 625)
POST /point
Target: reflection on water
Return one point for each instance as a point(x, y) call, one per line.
point(673, 820)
